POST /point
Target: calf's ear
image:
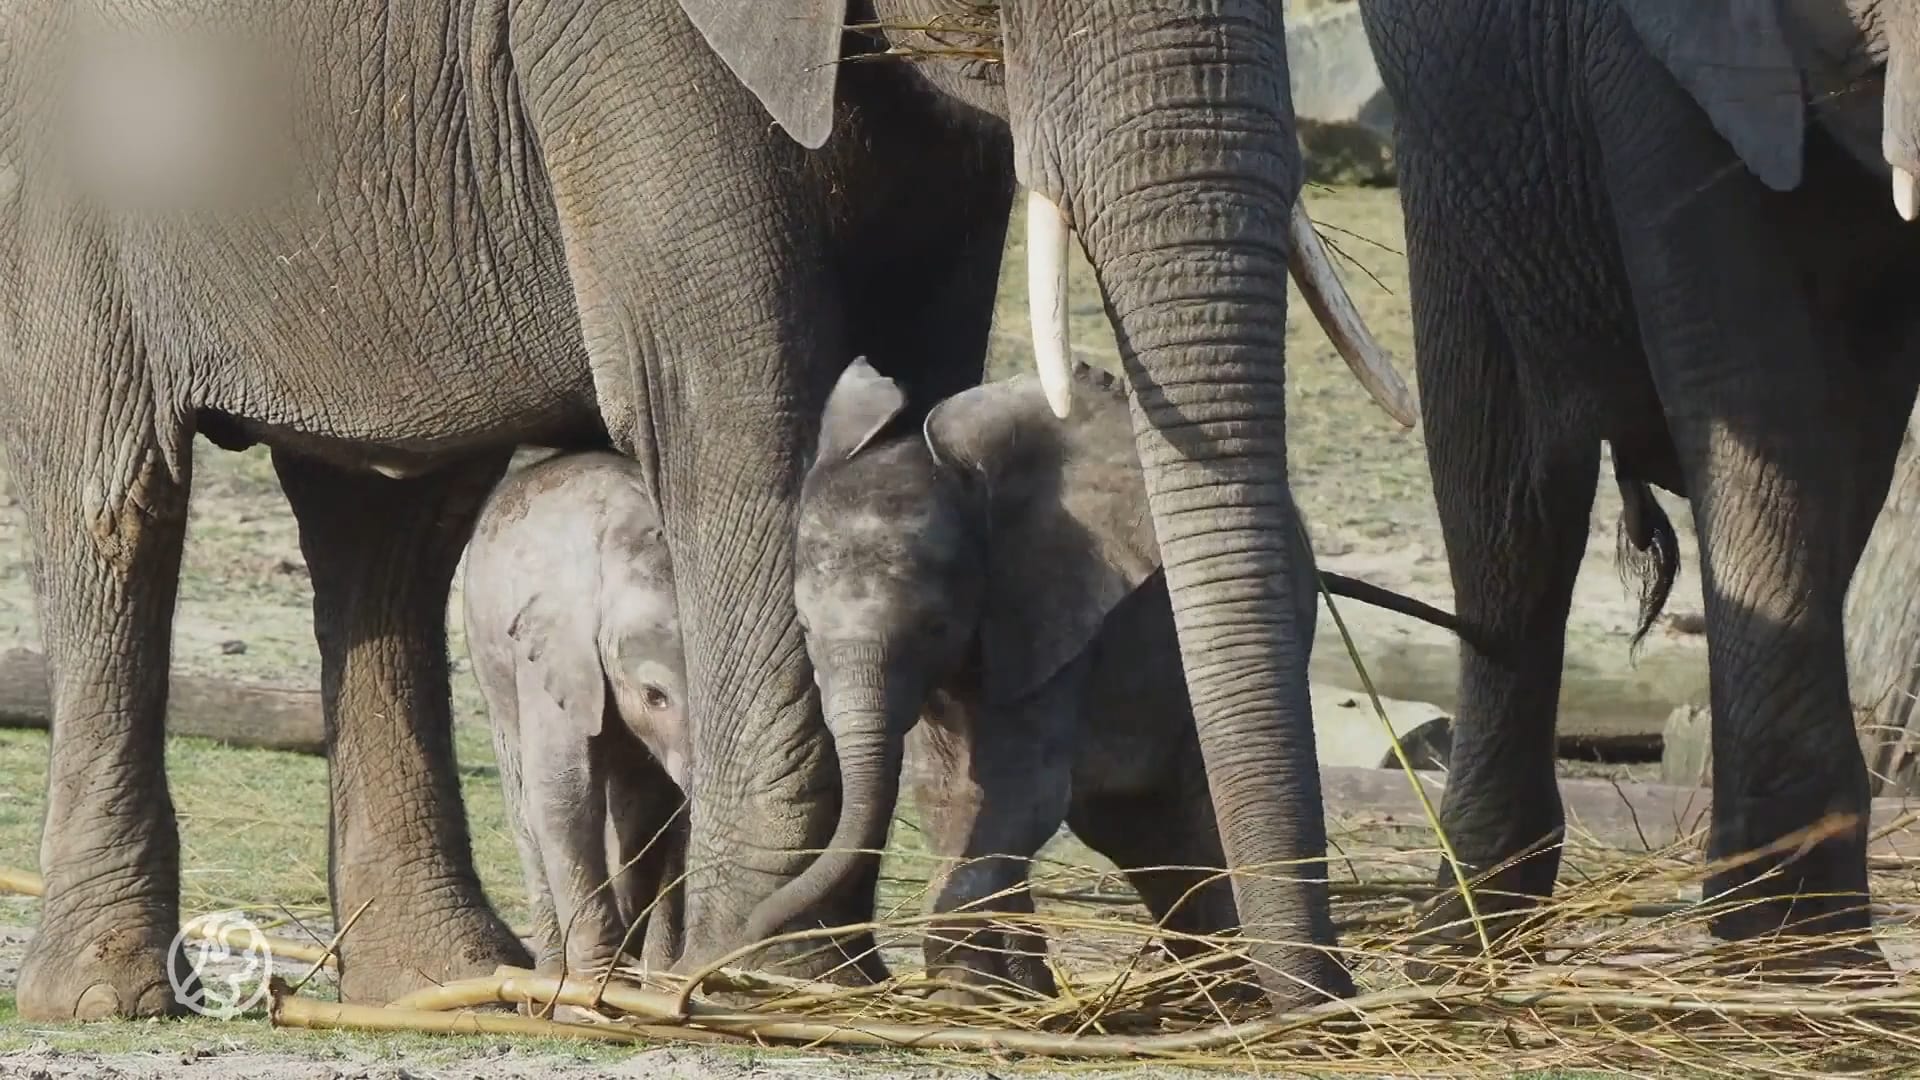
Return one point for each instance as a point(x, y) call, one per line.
point(1068, 532)
point(784, 51)
point(861, 406)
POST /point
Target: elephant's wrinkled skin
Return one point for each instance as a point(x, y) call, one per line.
point(1047, 690)
point(1666, 226)
point(406, 237)
point(574, 632)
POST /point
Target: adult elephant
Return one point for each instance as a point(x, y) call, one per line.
point(391, 240)
point(1666, 226)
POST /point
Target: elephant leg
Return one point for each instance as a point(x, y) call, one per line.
point(1773, 404)
point(992, 790)
point(1514, 505)
point(382, 555)
point(667, 923)
point(1779, 539)
point(566, 794)
point(645, 811)
point(1168, 844)
point(107, 510)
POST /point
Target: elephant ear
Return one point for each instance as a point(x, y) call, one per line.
point(861, 406)
point(556, 653)
point(784, 51)
point(1734, 58)
point(1069, 533)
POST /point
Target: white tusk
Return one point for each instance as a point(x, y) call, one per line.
point(1047, 233)
point(1906, 194)
point(1328, 299)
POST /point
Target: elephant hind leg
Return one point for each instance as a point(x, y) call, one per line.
point(382, 555)
point(1514, 493)
point(1167, 843)
point(1784, 509)
point(107, 514)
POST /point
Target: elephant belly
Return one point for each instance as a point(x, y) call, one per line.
point(326, 253)
point(423, 351)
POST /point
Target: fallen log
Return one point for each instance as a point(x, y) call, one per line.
point(1633, 816)
point(1608, 712)
point(235, 713)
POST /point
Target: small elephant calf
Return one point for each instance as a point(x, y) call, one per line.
point(994, 575)
point(574, 633)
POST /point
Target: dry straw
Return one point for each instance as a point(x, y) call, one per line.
point(1617, 973)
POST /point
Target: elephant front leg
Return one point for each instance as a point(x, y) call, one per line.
point(646, 834)
point(990, 796)
point(1785, 760)
point(107, 535)
point(567, 797)
point(382, 555)
point(1514, 496)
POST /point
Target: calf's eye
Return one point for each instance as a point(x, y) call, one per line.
point(654, 698)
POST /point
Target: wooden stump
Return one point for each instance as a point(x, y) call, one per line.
point(1686, 753)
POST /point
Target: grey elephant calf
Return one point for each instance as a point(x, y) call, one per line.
point(998, 570)
point(574, 632)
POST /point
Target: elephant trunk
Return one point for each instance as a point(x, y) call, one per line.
point(869, 723)
point(1180, 170)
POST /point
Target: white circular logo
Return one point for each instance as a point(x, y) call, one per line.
point(219, 964)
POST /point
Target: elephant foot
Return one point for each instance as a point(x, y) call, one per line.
point(1447, 939)
point(1798, 961)
point(1447, 943)
point(1218, 978)
point(970, 987)
point(985, 966)
point(398, 956)
point(117, 974)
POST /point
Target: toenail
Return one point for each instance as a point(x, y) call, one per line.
point(99, 1002)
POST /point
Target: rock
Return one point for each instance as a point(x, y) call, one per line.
point(1686, 756)
point(1347, 732)
point(1344, 116)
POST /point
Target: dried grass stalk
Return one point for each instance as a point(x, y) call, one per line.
point(289, 1010)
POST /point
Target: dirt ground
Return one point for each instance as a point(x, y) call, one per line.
point(253, 823)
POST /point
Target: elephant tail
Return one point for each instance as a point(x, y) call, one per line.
point(1388, 600)
point(1649, 551)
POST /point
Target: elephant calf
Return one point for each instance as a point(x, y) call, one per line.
point(574, 633)
point(996, 577)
